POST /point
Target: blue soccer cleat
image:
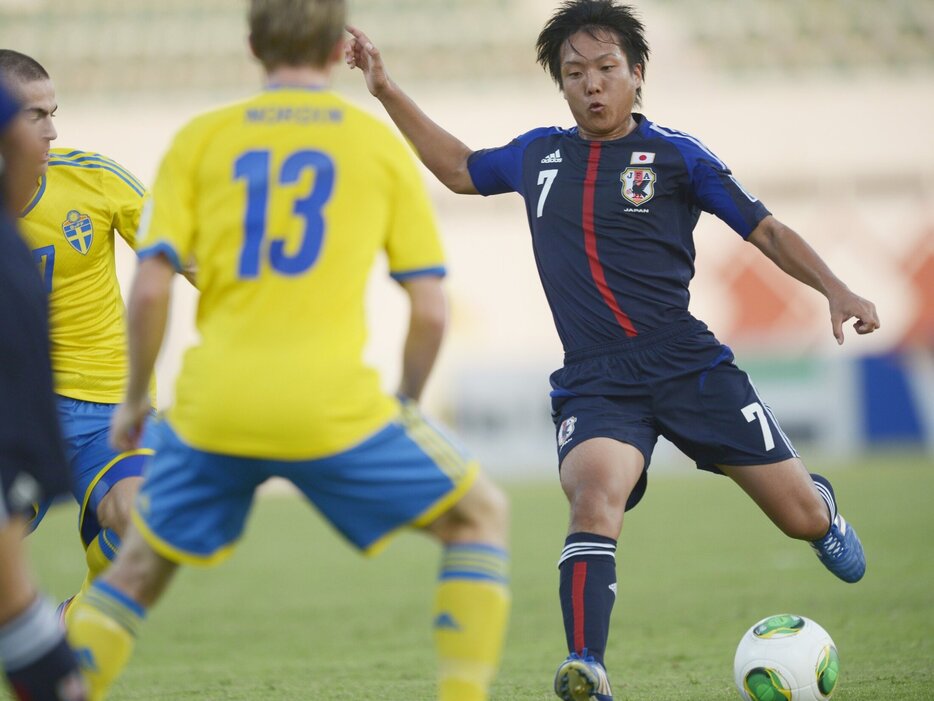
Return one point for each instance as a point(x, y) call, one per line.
point(841, 552)
point(582, 679)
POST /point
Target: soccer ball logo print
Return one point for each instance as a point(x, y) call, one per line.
point(786, 658)
point(638, 184)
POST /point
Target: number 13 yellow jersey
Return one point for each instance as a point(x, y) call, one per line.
point(283, 202)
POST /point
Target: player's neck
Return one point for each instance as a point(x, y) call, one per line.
point(299, 77)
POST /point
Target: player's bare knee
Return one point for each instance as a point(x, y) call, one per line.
point(115, 508)
point(482, 515)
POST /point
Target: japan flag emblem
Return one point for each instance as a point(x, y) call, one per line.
point(638, 185)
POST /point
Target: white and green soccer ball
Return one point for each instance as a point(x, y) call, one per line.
point(786, 658)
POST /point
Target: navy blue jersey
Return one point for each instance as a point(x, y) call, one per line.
point(613, 222)
point(30, 440)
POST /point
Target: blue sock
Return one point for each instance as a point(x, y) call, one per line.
point(587, 592)
point(825, 489)
point(38, 662)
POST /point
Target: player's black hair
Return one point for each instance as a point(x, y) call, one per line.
point(594, 17)
point(17, 66)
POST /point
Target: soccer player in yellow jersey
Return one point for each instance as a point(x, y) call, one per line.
point(80, 200)
point(283, 201)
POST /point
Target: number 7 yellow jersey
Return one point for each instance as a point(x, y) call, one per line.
point(283, 202)
point(82, 201)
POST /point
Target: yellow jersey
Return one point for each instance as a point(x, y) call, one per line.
point(69, 224)
point(282, 202)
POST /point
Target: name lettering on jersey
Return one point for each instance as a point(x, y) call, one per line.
point(642, 158)
point(294, 115)
point(554, 157)
point(566, 431)
point(638, 185)
point(79, 231)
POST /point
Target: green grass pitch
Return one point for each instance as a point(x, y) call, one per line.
point(296, 614)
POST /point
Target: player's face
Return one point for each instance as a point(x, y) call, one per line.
point(599, 85)
point(38, 100)
point(21, 149)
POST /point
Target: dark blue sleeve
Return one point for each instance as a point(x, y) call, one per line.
point(498, 170)
point(718, 192)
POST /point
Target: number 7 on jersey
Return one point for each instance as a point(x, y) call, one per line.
point(546, 177)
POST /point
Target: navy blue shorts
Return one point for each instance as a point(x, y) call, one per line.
point(679, 382)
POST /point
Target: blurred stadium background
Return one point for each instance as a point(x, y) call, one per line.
point(823, 109)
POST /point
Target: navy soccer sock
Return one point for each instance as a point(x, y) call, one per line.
point(38, 662)
point(825, 489)
point(587, 591)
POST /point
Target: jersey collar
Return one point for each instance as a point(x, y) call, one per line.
point(40, 190)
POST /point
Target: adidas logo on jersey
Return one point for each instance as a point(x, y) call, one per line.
point(553, 157)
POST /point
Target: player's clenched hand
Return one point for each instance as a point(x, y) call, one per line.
point(848, 306)
point(360, 53)
point(126, 425)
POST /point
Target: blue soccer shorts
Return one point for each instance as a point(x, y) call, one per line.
point(193, 504)
point(95, 466)
point(678, 382)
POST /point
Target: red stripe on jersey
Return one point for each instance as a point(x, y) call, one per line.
point(579, 579)
point(590, 241)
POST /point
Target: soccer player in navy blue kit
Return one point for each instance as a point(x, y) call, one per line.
point(612, 204)
point(36, 659)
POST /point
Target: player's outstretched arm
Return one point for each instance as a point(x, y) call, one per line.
point(792, 254)
point(147, 315)
point(427, 322)
point(443, 153)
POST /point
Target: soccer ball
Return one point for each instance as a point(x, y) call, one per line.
point(786, 658)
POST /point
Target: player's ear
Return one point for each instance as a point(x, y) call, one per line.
point(252, 47)
point(336, 54)
point(637, 74)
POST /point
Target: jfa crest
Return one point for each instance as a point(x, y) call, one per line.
point(78, 231)
point(638, 184)
point(565, 431)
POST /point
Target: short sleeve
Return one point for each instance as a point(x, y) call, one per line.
point(125, 192)
point(168, 220)
point(716, 190)
point(497, 170)
point(413, 244)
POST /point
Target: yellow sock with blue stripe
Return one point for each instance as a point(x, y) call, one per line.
point(471, 611)
point(99, 554)
point(102, 629)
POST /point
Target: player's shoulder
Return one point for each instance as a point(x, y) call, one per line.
point(91, 168)
point(686, 143)
point(539, 133)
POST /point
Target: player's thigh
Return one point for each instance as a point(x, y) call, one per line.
point(786, 494)
point(598, 476)
point(596, 428)
point(407, 474)
point(481, 515)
